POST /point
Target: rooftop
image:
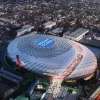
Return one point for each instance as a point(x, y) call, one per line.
point(51, 55)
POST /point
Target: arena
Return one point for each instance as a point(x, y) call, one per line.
point(58, 58)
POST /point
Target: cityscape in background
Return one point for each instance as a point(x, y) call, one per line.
point(49, 49)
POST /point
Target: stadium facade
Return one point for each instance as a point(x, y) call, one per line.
point(53, 56)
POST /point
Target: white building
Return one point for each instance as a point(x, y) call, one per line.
point(24, 29)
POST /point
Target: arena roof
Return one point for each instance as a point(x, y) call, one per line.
point(51, 55)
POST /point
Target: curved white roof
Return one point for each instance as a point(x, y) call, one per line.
point(87, 66)
point(50, 55)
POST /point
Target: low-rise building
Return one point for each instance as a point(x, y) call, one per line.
point(25, 29)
